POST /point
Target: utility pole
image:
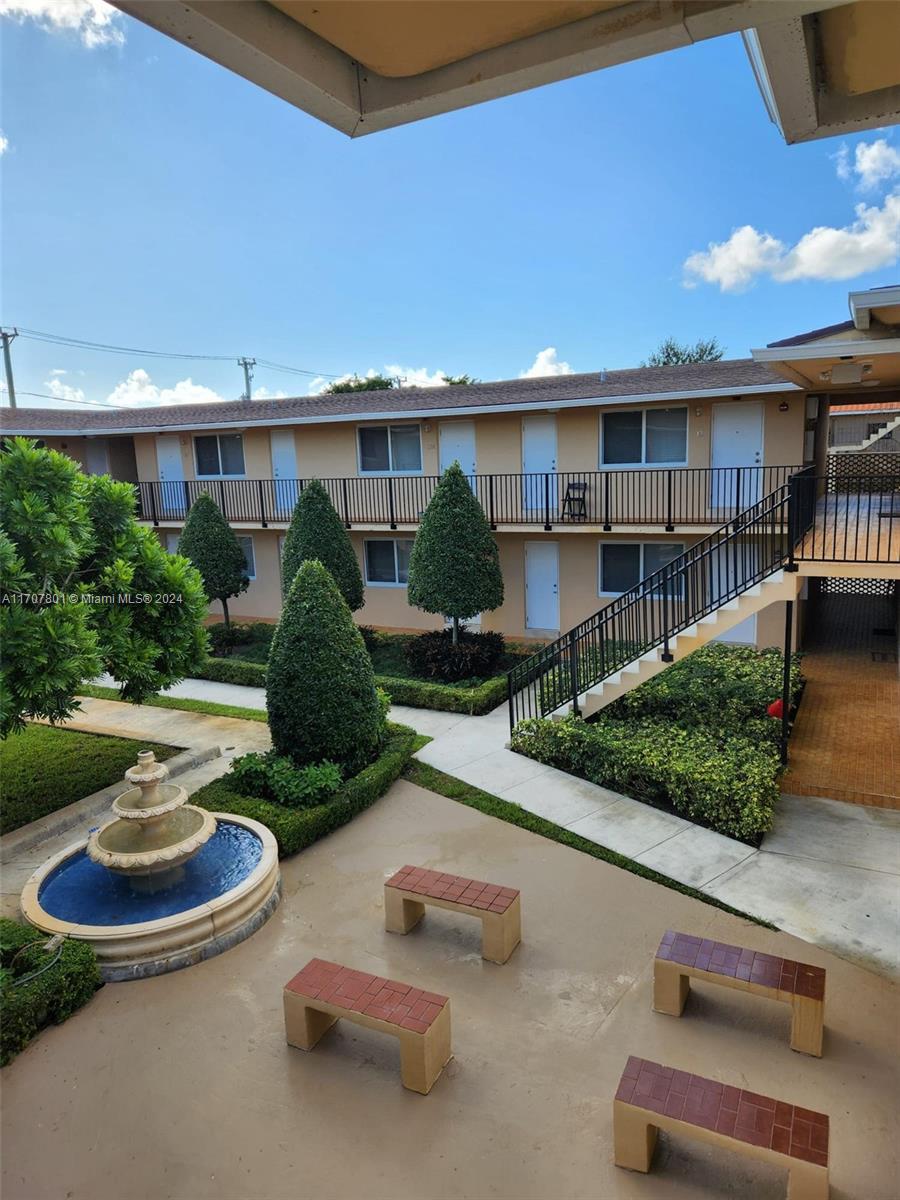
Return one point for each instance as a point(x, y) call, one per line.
point(248, 364)
point(7, 362)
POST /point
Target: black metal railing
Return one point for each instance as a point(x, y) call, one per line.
point(664, 496)
point(852, 519)
point(803, 520)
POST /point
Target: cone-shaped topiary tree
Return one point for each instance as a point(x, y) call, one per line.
point(210, 543)
point(320, 686)
point(316, 531)
point(454, 568)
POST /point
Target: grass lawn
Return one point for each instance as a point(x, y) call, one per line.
point(43, 769)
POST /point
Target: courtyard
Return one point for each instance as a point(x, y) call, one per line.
point(182, 1085)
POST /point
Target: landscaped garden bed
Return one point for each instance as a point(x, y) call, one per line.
point(39, 987)
point(43, 768)
point(696, 739)
point(240, 658)
point(297, 828)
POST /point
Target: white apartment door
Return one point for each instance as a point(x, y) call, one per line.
point(96, 456)
point(539, 464)
point(284, 472)
point(542, 586)
point(457, 444)
point(171, 473)
point(737, 441)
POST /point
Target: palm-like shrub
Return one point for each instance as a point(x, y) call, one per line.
point(454, 568)
point(320, 685)
point(212, 546)
point(316, 531)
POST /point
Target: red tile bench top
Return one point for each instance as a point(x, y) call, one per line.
point(454, 888)
point(731, 1111)
point(358, 991)
point(750, 966)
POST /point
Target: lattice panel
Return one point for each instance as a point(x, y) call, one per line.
point(863, 472)
point(831, 586)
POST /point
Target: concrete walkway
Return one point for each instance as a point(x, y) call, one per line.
point(828, 872)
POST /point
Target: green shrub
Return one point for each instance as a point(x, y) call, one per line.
point(295, 829)
point(719, 687)
point(435, 655)
point(212, 546)
point(48, 999)
point(442, 697)
point(320, 686)
point(729, 783)
point(233, 670)
point(271, 777)
point(454, 568)
point(316, 533)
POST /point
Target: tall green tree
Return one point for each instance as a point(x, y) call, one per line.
point(371, 383)
point(460, 380)
point(671, 353)
point(316, 531)
point(85, 589)
point(212, 546)
point(454, 568)
point(320, 685)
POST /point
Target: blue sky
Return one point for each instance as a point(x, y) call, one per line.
point(152, 199)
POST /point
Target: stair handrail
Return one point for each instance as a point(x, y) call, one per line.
point(665, 602)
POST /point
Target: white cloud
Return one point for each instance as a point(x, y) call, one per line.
point(96, 23)
point(59, 371)
point(872, 164)
point(263, 393)
point(4, 142)
point(870, 242)
point(62, 391)
point(138, 389)
point(546, 363)
point(414, 376)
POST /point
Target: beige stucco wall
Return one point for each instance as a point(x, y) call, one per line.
point(330, 450)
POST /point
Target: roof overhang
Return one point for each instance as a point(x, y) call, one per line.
point(424, 414)
point(831, 72)
point(830, 365)
point(368, 65)
point(884, 303)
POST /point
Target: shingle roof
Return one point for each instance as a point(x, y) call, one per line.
point(729, 377)
point(799, 338)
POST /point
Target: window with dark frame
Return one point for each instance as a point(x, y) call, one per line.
point(624, 564)
point(390, 449)
point(219, 455)
point(645, 437)
point(387, 561)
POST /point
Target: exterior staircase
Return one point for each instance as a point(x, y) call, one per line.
point(746, 565)
point(778, 586)
point(870, 440)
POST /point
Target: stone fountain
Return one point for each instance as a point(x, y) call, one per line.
point(162, 885)
point(155, 832)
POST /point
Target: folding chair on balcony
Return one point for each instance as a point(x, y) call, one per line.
point(574, 503)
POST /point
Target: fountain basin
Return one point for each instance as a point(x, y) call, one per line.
point(225, 892)
point(154, 843)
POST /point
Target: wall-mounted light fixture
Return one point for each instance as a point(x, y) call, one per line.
point(783, 406)
point(698, 411)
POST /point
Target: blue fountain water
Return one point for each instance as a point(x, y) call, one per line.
point(83, 891)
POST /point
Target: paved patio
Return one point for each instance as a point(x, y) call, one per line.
point(182, 1086)
point(846, 742)
point(828, 872)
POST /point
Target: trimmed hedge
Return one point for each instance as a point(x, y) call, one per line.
point(317, 533)
point(295, 829)
point(320, 686)
point(50, 997)
point(728, 783)
point(417, 693)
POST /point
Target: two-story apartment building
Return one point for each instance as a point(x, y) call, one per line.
point(590, 481)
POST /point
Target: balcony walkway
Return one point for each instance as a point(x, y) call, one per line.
point(183, 1086)
point(846, 742)
point(855, 528)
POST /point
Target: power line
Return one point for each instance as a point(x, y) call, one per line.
point(58, 339)
point(71, 400)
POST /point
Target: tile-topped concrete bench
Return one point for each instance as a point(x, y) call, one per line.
point(408, 891)
point(651, 1097)
point(323, 992)
point(681, 957)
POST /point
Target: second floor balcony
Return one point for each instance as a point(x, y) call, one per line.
point(659, 498)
